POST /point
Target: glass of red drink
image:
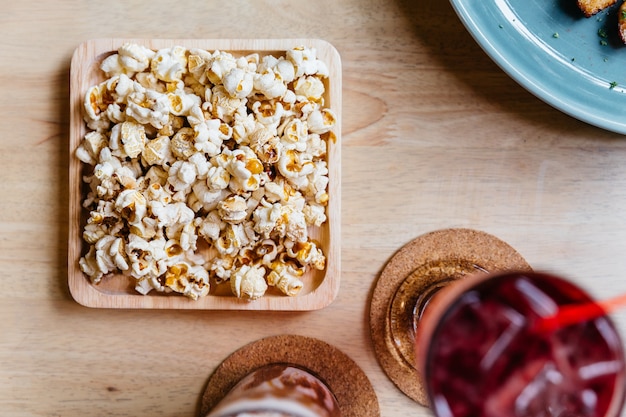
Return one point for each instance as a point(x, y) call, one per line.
point(483, 352)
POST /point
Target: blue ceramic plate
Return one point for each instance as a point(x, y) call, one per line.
point(574, 63)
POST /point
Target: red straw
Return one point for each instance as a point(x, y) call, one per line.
point(577, 313)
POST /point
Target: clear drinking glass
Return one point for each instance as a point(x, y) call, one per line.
point(278, 390)
point(482, 351)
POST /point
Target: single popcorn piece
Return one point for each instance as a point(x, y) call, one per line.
point(146, 256)
point(157, 151)
point(131, 205)
point(182, 144)
point(306, 63)
point(321, 121)
point(224, 106)
point(90, 148)
point(268, 112)
point(285, 276)
point(233, 210)
point(295, 166)
point(182, 102)
point(309, 89)
point(148, 107)
point(248, 282)
point(132, 137)
point(265, 144)
point(267, 251)
point(169, 64)
point(191, 281)
point(206, 167)
point(238, 83)
point(130, 59)
point(295, 135)
point(266, 217)
point(273, 76)
point(233, 239)
point(220, 65)
point(171, 214)
point(307, 253)
point(198, 62)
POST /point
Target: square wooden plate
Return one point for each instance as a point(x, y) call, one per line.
point(117, 291)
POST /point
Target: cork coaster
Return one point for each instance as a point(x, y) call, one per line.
point(353, 390)
point(418, 267)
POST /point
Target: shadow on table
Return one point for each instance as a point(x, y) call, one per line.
point(62, 176)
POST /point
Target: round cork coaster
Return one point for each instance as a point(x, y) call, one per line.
point(414, 270)
point(351, 387)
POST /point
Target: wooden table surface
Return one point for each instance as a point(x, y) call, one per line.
point(435, 135)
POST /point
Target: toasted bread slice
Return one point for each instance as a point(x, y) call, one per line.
point(621, 22)
point(591, 7)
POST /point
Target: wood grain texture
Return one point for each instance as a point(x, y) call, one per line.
point(114, 291)
point(434, 135)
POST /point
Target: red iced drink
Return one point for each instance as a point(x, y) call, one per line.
point(278, 390)
point(487, 354)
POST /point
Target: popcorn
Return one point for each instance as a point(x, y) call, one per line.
point(285, 276)
point(129, 140)
point(90, 148)
point(315, 146)
point(268, 112)
point(295, 166)
point(157, 151)
point(130, 59)
point(191, 148)
point(95, 102)
point(147, 257)
point(295, 227)
point(169, 64)
point(248, 282)
point(197, 64)
point(321, 121)
point(231, 240)
point(224, 106)
point(171, 214)
point(233, 209)
point(238, 83)
point(148, 107)
point(220, 65)
point(206, 197)
point(266, 217)
point(267, 250)
point(295, 135)
point(109, 254)
point(265, 144)
point(245, 169)
point(314, 214)
point(273, 76)
point(189, 280)
point(211, 226)
point(131, 205)
point(181, 102)
point(307, 253)
point(309, 89)
point(306, 63)
point(182, 175)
